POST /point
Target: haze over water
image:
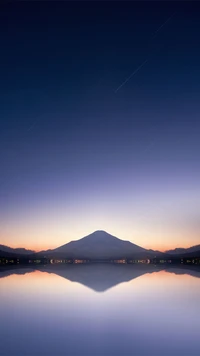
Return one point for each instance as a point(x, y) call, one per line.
point(133, 310)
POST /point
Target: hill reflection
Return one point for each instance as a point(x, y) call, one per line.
point(101, 277)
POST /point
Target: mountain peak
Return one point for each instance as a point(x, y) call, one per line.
point(99, 232)
point(100, 245)
point(99, 235)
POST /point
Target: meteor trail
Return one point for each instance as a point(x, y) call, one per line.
point(132, 74)
point(164, 23)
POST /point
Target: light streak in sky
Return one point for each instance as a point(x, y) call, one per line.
point(132, 74)
point(164, 23)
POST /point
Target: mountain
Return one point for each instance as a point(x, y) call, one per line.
point(12, 255)
point(178, 251)
point(6, 254)
point(21, 251)
point(194, 254)
point(100, 245)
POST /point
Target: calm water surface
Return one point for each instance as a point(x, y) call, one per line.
point(99, 310)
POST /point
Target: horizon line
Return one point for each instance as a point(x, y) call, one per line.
point(36, 250)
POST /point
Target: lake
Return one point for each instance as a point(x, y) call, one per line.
point(99, 310)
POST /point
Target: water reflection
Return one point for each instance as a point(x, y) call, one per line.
point(61, 310)
point(101, 277)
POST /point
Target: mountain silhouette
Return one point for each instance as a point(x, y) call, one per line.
point(5, 254)
point(10, 250)
point(100, 245)
point(180, 250)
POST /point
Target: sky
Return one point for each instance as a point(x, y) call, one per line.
point(99, 122)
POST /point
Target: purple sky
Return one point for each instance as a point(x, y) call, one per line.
point(79, 151)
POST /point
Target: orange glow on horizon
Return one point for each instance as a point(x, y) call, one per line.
point(39, 248)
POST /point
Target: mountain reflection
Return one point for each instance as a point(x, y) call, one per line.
point(101, 277)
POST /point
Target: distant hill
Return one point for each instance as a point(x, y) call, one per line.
point(178, 251)
point(193, 254)
point(98, 245)
point(4, 254)
point(21, 251)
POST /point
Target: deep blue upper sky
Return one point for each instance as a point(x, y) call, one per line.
point(75, 154)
